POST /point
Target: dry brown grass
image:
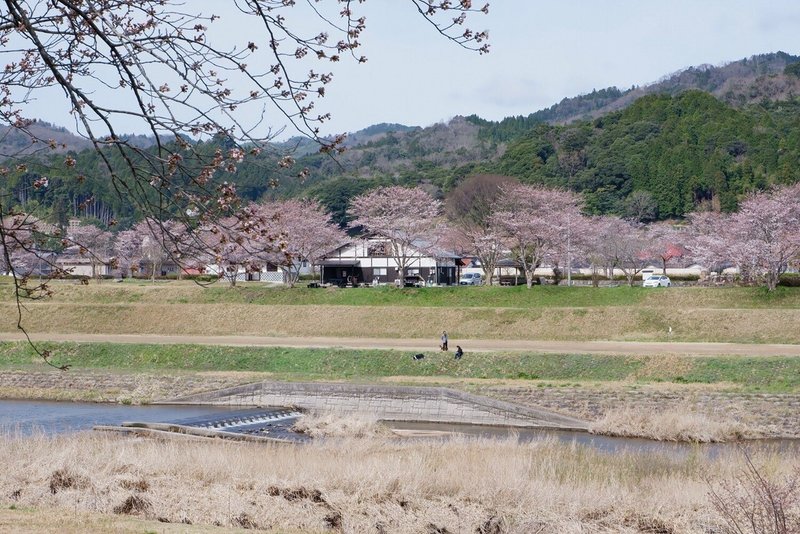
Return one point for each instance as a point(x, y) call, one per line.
point(65, 521)
point(367, 485)
point(176, 308)
point(319, 425)
point(670, 425)
point(604, 323)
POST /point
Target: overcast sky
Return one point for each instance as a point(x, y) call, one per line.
point(545, 51)
point(541, 52)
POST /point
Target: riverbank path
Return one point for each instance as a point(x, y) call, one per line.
point(416, 344)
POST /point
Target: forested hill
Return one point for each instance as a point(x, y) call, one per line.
point(668, 154)
point(705, 136)
point(14, 143)
point(739, 83)
point(52, 139)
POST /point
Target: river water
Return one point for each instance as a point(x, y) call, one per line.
point(606, 444)
point(47, 417)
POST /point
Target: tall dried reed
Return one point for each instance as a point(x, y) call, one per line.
point(367, 485)
point(670, 425)
point(327, 425)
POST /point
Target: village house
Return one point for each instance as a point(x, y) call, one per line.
point(370, 261)
point(81, 263)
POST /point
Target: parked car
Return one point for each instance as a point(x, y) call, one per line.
point(657, 280)
point(470, 279)
point(413, 280)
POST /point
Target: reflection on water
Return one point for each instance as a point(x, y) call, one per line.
point(601, 443)
point(50, 417)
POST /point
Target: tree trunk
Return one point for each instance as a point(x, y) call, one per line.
point(557, 275)
point(529, 278)
point(772, 280)
point(294, 276)
point(488, 274)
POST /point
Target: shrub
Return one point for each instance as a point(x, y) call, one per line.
point(754, 502)
point(790, 280)
point(64, 479)
point(201, 277)
point(133, 505)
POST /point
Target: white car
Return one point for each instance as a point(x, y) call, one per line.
point(657, 280)
point(470, 279)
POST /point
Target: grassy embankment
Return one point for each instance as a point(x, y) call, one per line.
point(744, 315)
point(367, 485)
point(466, 312)
point(737, 373)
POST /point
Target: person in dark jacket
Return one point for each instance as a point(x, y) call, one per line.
point(459, 352)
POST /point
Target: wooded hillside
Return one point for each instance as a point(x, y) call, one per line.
point(702, 137)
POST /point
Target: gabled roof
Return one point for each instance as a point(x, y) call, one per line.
point(421, 246)
point(509, 262)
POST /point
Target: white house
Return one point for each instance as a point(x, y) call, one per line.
point(82, 264)
point(369, 261)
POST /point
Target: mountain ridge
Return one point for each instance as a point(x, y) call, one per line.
point(738, 83)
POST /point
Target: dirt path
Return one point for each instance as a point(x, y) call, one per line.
point(426, 345)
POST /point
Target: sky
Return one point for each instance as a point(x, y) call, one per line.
point(541, 52)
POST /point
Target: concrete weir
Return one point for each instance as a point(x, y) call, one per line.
point(390, 403)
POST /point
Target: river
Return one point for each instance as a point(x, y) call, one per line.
point(20, 417)
point(24, 417)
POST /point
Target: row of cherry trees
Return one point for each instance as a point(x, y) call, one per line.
point(277, 233)
point(493, 216)
point(542, 226)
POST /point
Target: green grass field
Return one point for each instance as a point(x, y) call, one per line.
point(767, 374)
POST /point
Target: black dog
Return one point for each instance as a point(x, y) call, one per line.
point(418, 356)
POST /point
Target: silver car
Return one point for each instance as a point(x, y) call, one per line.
point(470, 279)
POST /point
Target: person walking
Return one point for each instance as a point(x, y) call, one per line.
point(444, 340)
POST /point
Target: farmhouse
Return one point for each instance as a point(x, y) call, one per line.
point(370, 261)
point(79, 262)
